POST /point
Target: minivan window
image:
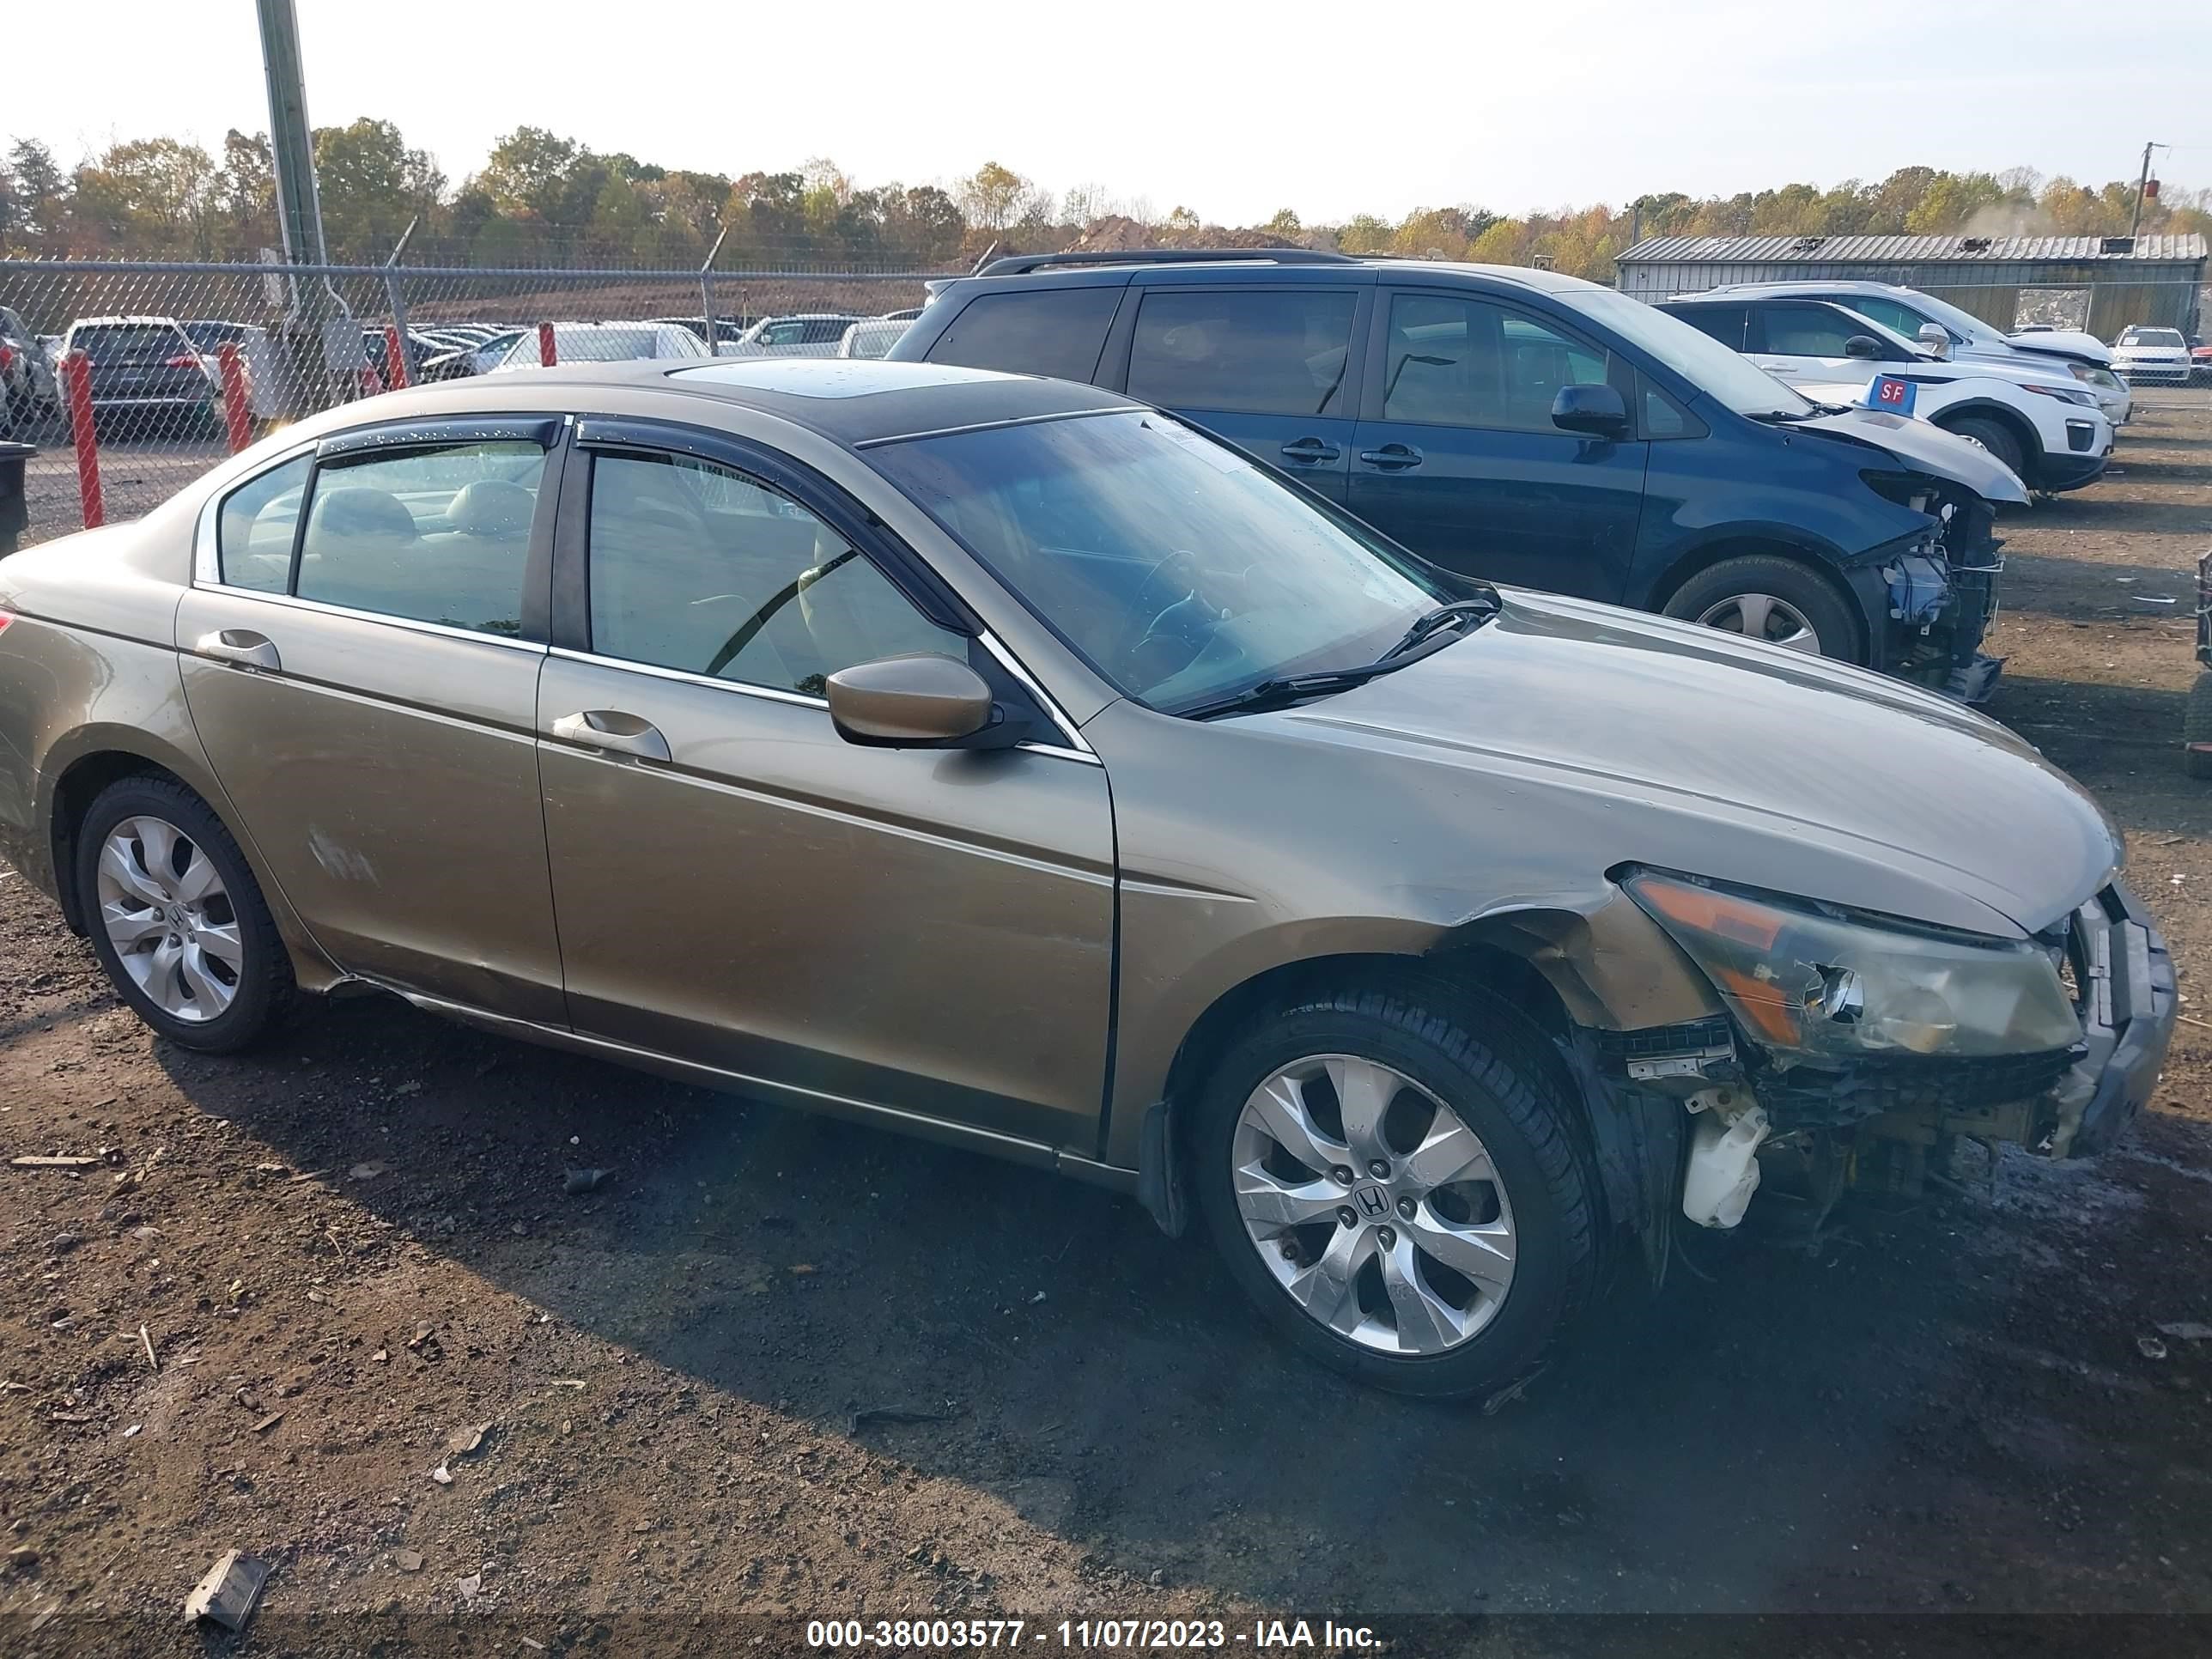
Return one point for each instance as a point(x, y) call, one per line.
point(1452, 361)
point(1179, 570)
point(435, 535)
point(1055, 332)
point(1277, 352)
point(697, 568)
point(253, 530)
point(1734, 381)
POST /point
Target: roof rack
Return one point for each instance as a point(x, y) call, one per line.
point(1020, 264)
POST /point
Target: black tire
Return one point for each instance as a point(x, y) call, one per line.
point(1995, 436)
point(266, 989)
point(2196, 728)
point(1485, 1062)
point(1832, 617)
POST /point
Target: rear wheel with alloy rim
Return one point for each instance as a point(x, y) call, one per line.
point(1779, 601)
point(1401, 1193)
point(176, 917)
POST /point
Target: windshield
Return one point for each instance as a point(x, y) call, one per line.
point(1698, 357)
point(1179, 569)
point(1964, 324)
point(2151, 336)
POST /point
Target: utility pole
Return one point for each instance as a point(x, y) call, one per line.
point(2142, 183)
point(314, 379)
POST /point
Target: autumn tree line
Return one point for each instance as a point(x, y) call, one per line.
point(541, 199)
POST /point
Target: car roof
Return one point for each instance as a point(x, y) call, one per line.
point(1254, 265)
point(1811, 285)
point(851, 401)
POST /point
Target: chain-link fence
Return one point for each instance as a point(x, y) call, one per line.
point(132, 377)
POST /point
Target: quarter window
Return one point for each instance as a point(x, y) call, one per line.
point(1724, 323)
point(1055, 332)
point(697, 568)
point(1466, 362)
point(1281, 352)
point(255, 529)
point(435, 535)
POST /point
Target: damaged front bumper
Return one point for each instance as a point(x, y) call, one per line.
point(1931, 599)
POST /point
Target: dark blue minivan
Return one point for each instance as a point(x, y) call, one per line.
point(1528, 428)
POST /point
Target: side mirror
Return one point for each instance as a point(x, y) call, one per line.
point(1595, 411)
point(908, 702)
point(1863, 345)
point(1937, 338)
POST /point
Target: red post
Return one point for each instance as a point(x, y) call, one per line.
point(237, 411)
point(76, 376)
point(546, 354)
point(395, 358)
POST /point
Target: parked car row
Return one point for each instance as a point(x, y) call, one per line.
point(1009, 761)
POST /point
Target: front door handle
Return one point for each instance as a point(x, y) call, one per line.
point(242, 646)
point(1392, 458)
point(1311, 452)
point(611, 729)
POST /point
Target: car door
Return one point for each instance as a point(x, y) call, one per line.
point(924, 932)
point(1455, 455)
point(364, 678)
point(1269, 369)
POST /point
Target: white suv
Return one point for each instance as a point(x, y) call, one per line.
point(2041, 423)
point(1952, 332)
point(2151, 356)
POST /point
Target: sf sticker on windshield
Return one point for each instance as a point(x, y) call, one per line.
point(1891, 394)
point(6, 620)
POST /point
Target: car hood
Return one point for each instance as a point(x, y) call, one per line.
point(1568, 739)
point(1917, 444)
point(2064, 343)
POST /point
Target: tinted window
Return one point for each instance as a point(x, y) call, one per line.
point(698, 568)
point(437, 535)
point(1278, 353)
point(1058, 331)
point(1806, 331)
point(1723, 323)
point(129, 341)
point(253, 532)
point(1467, 362)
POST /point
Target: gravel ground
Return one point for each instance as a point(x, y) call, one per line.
point(345, 1250)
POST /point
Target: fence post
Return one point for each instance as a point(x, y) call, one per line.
point(237, 412)
point(395, 357)
point(396, 341)
point(707, 294)
point(76, 376)
point(547, 357)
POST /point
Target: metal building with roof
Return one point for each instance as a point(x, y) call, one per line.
point(2099, 284)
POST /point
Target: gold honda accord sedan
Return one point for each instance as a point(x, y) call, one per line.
point(999, 760)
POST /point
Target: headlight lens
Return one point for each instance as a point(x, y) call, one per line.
point(1813, 984)
point(2065, 394)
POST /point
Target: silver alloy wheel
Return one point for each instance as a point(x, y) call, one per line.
point(167, 915)
point(1763, 617)
point(1377, 1209)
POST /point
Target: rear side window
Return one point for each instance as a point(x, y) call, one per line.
point(1724, 323)
point(1281, 352)
point(435, 535)
point(1055, 332)
point(253, 532)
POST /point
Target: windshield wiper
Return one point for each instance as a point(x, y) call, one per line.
point(1442, 616)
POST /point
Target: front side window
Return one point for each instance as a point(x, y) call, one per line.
point(1890, 314)
point(1452, 361)
point(1809, 331)
point(1179, 570)
point(1281, 352)
point(1055, 332)
point(436, 535)
point(699, 567)
point(254, 530)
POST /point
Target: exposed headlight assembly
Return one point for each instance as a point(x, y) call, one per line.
point(1813, 983)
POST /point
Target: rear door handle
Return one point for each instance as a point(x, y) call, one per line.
point(611, 729)
point(242, 646)
point(1311, 452)
point(1392, 458)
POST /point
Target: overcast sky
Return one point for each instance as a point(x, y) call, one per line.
point(1234, 110)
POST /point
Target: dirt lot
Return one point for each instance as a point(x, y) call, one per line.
point(344, 1249)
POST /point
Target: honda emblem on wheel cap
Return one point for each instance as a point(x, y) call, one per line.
point(1373, 1201)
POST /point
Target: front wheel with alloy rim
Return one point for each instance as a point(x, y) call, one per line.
point(1402, 1193)
point(1780, 601)
point(177, 919)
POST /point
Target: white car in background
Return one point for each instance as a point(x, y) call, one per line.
point(874, 337)
point(811, 334)
point(603, 343)
point(2145, 355)
point(2041, 423)
point(1959, 334)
